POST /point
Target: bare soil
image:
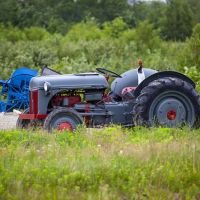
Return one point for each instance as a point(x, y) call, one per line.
point(8, 120)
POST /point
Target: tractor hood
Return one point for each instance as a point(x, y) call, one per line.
point(129, 79)
point(70, 81)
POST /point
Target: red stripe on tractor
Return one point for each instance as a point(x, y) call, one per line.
point(32, 116)
point(31, 102)
point(35, 101)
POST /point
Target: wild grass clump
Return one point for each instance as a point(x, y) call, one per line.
point(109, 163)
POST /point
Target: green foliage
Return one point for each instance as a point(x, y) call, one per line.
point(8, 12)
point(179, 21)
point(157, 9)
point(84, 31)
point(194, 74)
point(115, 28)
point(110, 163)
point(189, 57)
point(57, 15)
point(11, 34)
point(175, 18)
point(195, 6)
point(87, 46)
point(193, 47)
point(146, 37)
point(36, 33)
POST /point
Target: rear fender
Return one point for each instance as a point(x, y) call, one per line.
point(162, 74)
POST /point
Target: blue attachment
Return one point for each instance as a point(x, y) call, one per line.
point(15, 91)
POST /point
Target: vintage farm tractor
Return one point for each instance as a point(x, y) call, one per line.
point(14, 92)
point(137, 97)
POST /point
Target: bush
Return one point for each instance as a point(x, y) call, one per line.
point(146, 37)
point(36, 33)
point(86, 46)
point(194, 74)
point(190, 56)
point(11, 34)
point(114, 28)
point(84, 31)
point(128, 36)
point(28, 54)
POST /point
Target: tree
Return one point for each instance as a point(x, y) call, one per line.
point(195, 7)
point(156, 14)
point(192, 51)
point(146, 37)
point(8, 11)
point(179, 21)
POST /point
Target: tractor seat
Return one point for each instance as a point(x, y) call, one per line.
point(127, 93)
point(128, 89)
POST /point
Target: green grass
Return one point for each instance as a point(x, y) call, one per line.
point(111, 163)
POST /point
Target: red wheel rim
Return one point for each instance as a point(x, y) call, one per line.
point(65, 126)
point(171, 115)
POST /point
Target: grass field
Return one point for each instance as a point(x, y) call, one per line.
point(111, 163)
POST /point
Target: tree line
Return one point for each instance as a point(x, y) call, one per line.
point(174, 19)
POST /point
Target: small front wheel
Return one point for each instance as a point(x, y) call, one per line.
point(23, 123)
point(62, 119)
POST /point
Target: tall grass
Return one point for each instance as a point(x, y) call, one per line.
point(110, 163)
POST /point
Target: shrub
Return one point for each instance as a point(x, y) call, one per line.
point(11, 34)
point(114, 28)
point(146, 37)
point(190, 56)
point(84, 31)
point(86, 46)
point(128, 36)
point(194, 74)
point(36, 33)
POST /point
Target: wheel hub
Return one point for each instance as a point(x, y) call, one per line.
point(171, 115)
point(170, 112)
point(65, 126)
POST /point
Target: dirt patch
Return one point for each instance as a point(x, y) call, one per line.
point(8, 120)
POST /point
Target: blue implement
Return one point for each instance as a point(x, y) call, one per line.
point(14, 92)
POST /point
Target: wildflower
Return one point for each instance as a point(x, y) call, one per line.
point(121, 152)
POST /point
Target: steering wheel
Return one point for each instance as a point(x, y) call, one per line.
point(108, 72)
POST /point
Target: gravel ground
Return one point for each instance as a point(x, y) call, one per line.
point(8, 120)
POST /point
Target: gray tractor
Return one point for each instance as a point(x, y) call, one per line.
point(141, 96)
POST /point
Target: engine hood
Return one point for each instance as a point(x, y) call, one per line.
point(129, 79)
point(70, 81)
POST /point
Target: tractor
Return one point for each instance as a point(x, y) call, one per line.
point(140, 96)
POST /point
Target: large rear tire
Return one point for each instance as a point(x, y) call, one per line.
point(168, 102)
point(62, 119)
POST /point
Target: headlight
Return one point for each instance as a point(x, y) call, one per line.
point(47, 87)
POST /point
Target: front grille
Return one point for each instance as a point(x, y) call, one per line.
point(33, 102)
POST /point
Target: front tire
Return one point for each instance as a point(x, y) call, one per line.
point(23, 123)
point(62, 119)
point(168, 102)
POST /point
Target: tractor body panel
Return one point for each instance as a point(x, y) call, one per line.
point(71, 81)
point(129, 79)
point(163, 74)
point(108, 113)
point(93, 85)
